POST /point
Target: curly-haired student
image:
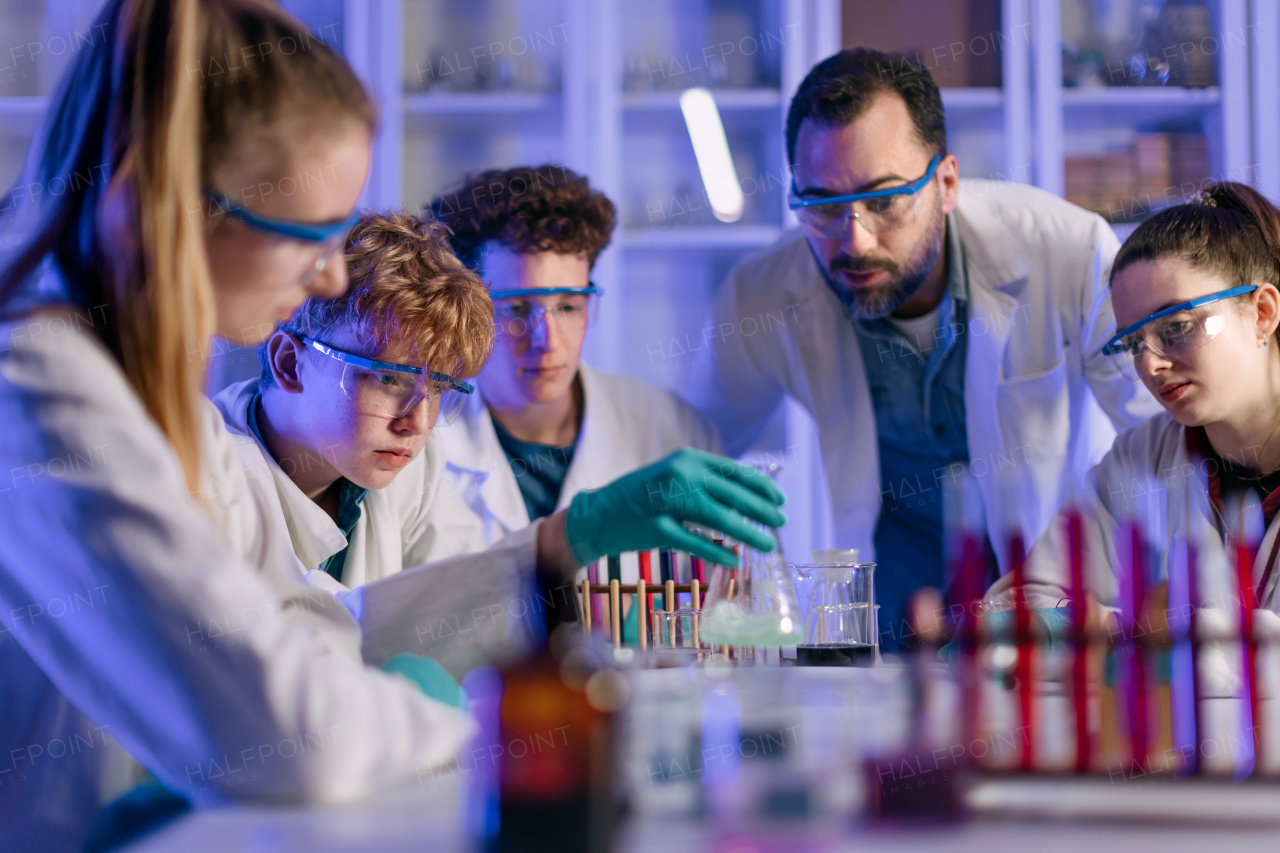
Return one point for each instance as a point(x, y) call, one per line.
point(545, 425)
point(349, 418)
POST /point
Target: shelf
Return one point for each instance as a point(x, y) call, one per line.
point(480, 104)
point(731, 237)
point(1135, 106)
point(22, 114)
point(452, 111)
point(727, 100)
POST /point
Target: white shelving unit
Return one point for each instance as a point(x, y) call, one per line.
point(1069, 120)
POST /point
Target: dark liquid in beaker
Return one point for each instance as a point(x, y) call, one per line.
point(836, 654)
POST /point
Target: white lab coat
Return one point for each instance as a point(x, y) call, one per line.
point(130, 617)
point(468, 606)
point(405, 524)
point(1034, 378)
point(1149, 478)
point(626, 424)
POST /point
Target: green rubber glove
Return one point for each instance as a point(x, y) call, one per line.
point(429, 676)
point(646, 508)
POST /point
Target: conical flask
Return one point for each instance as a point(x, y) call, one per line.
point(753, 603)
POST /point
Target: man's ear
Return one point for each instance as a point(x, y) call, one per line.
point(284, 355)
point(949, 182)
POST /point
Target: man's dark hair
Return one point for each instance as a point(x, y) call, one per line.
point(838, 90)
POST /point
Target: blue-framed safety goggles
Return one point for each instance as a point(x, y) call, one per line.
point(877, 211)
point(589, 290)
point(520, 320)
point(1170, 334)
point(308, 232)
point(323, 239)
point(390, 390)
point(1118, 346)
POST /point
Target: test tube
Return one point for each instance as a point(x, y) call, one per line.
point(1079, 642)
point(1135, 673)
point(1243, 560)
point(1026, 652)
point(646, 572)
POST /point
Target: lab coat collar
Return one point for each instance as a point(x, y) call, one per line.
point(599, 429)
point(993, 256)
point(997, 267)
point(488, 484)
point(493, 481)
point(315, 536)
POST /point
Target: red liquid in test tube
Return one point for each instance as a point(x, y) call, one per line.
point(1080, 642)
point(1026, 652)
point(1139, 706)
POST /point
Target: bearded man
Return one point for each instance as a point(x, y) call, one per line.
point(929, 328)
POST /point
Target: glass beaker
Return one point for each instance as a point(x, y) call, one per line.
point(675, 638)
point(752, 604)
point(841, 626)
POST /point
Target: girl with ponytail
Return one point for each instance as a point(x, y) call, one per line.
point(146, 612)
point(1197, 308)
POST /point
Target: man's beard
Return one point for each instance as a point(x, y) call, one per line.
point(883, 300)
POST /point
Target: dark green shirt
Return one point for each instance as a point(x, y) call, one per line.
point(540, 470)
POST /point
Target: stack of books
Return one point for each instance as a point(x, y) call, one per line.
point(1158, 170)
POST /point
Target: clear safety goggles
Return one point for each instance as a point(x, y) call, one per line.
point(321, 239)
point(878, 211)
point(387, 390)
point(1172, 333)
point(521, 313)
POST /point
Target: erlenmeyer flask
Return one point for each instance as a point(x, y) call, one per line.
point(754, 603)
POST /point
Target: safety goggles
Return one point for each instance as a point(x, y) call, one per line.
point(324, 238)
point(520, 313)
point(878, 211)
point(387, 390)
point(1172, 333)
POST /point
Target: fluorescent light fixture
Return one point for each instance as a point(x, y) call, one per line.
point(710, 146)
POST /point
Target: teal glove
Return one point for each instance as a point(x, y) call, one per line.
point(645, 509)
point(429, 676)
point(1051, 627)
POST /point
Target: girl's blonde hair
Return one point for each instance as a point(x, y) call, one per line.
point(143, 117)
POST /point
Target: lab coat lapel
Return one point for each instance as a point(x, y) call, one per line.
point(593, 455)
point(996, 269)
point(839, 399)
point(315, 536)
point(499, 492)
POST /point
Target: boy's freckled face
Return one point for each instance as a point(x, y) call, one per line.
point(367, 449)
